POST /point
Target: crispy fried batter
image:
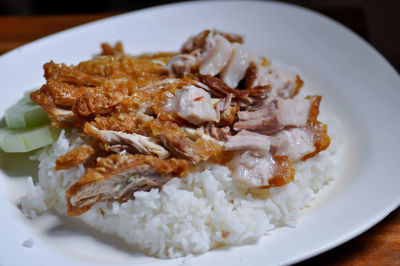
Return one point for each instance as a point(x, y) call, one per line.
point(179, 143)
point(118, 176)
point(74, 157)
point(103, 85)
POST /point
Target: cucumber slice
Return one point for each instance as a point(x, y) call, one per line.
point(27, 139)
point(25, 115)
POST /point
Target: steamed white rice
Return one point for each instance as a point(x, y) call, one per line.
point(191, 215)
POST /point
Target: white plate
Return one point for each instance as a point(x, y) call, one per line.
point(360, 87)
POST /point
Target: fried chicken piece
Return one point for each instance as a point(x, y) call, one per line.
point(117, 177)
point(123, 122)
point(90, 105)
point(186, 146)
point(74, 157)
point(172, 136)
point(131, 142)
point(100, 86)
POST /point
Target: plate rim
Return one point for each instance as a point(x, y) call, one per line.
point(385, 212)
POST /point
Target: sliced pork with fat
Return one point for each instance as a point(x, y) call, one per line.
point(246, 140)
point(182, 64)
point(294, 143)
point(194, 105)
point(277, 115)
point(280, 83)
point(254, 170)
point(236, 67)
point(215, 55)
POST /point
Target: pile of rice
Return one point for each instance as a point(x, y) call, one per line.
point(190, 215)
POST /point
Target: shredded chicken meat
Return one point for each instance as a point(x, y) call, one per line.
point(118, 176)
point(152, 117)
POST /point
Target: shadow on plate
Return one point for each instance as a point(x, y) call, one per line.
point(68, 226)
point(18, 164)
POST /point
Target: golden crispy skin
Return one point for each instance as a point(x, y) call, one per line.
point(181, 145)
point(103, 85)
point(319, 130)
point(263, 91)
point(122, 122)
point(283, 172)
point(74, 157)
point(172, 136)
point(118, 176)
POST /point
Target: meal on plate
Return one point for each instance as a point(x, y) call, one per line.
point(177, 153)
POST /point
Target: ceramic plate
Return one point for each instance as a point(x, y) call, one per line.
point(358, 85)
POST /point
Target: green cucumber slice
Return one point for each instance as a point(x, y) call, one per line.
point(25, 115)
point(27, 139)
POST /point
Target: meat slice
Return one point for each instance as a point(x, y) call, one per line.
point(267, 81)
point(194, 105)
point(246, 140)
point(301, 143)
point(74, 157)
point(60, 117)
point(183, 144)
point(294, 143)
point(277, 115)
point(176, 139)
point(320, 138)
point(236, 67)
point(226, 111)
point(256, 171)
point(220, 89)
point(117, 177)
point(132, 142)
point(218, 133)
point(198, 41)
point(181, 65)
point(215, 55)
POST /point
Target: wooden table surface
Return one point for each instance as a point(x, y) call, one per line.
point(378, 246)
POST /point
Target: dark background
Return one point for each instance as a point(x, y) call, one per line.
point(377, 21)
